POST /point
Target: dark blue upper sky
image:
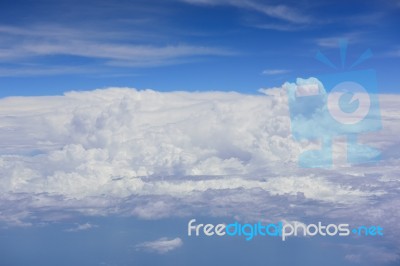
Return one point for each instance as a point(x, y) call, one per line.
point(48, 47)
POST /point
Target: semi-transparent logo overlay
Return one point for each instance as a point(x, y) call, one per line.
point(281, 230)
point(343, 105)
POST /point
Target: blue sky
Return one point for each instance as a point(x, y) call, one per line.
point(49, 47)
point(113, 243)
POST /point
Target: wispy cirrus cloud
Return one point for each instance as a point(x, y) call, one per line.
point(28, 70)
point(271, 72)
point(279, 26)
point(24, 47)
point(393, 53)
point(279, 11)
point(332, 41)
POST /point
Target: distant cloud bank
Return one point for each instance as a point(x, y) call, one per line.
point(158, 155)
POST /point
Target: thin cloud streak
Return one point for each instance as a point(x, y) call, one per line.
point(271, 72)
point(28, 45)
point(82, 227)
point(274, 11)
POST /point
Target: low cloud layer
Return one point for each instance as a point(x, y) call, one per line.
point(149, 154)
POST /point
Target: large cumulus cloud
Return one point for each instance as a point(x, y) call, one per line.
point(121, 151)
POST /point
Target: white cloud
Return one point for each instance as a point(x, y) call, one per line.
point(365, 254)
point(88, 143)
point(23, 45)
point(40, 70)
point(152, 155)
point(280, 26)
point(282, 12)
point(333, 41)
point(161, 246)
point(81, 227)
point(393, 53)
point(270, 72)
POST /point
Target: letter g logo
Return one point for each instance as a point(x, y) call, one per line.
point(348, 103)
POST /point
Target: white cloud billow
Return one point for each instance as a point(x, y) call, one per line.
point(149, 154)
